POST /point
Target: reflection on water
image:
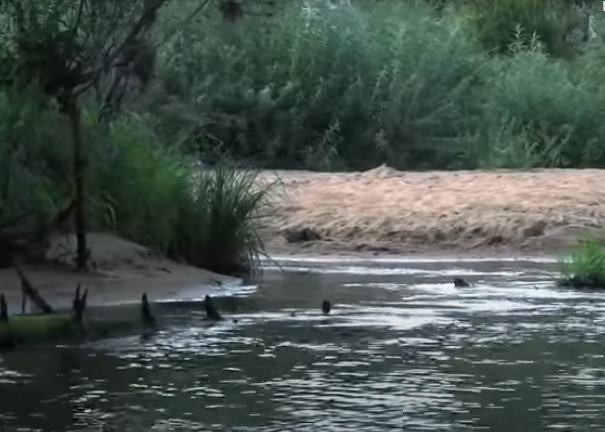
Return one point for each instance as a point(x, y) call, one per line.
point(402, 350)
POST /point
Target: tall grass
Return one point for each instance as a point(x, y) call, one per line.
point(137, 186)
point(349, 87)
point(217, 229)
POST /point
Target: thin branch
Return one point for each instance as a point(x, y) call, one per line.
point(78, 17)
point(184, 22)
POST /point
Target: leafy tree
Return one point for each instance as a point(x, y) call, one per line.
point(68, 48)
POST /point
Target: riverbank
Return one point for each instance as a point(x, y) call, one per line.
point(381, 212)
point(122, 271)
point(464, 213)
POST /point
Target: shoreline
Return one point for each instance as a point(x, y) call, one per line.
point(125, 271)
point(381, 215)
point(281, 256)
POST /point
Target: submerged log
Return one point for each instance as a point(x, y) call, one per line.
point(326, 307)
point(28, 328)
point(31, 328)
point(461, 283)
point(211, 311)
point(146, 316)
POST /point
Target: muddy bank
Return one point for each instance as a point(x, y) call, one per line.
point(123, 271)
point(383, 211)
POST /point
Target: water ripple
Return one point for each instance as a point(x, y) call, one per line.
point(403, 349)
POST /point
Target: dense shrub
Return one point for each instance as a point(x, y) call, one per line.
point(499, 23)
point(349, 87)
point(137, 186)
point(324, 88)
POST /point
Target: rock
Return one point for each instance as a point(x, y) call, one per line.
point(461, 283)
point(534, 230)
point(326, 307)
point(301, 235)
point(211, 311)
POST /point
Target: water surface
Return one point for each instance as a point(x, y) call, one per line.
point(402, 350)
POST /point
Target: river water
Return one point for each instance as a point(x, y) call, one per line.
point(402, 350)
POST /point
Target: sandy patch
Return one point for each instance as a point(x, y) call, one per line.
point(469, 212)
point(124, 271)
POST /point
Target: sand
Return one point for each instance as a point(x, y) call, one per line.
point(464, 213)
point(124, 271)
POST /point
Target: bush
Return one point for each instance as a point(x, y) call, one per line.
point(584, 265)
point(351, 87)
point(217, 229)
point(32, 180)
point(499, 23)
point(535, 111)
point(322, 88)
point(137, 186)
point(164, 200)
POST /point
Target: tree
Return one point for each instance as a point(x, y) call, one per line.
point(68, 48)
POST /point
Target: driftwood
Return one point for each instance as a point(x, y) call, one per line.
point(29, 292)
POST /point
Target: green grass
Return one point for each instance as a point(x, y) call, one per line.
point(583, 266)
point(224, 213)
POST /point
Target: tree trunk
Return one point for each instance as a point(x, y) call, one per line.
point(75, 122)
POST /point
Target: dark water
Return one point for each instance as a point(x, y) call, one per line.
point(402, 351)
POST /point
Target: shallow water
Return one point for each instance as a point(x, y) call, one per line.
point(402, 350)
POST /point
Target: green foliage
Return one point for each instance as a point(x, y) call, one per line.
point(31, 177)
point(498, 23)
point(138, 186)
point(326, 88)
point(351, 87)
point(163, 200)
point(584, 265)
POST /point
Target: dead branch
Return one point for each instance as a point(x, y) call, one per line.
point(3, 309)
point(79, 305)
point(146, 315)
point(30, 292)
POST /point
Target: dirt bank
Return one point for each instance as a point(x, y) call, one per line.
point(466, 212)
point(124, 271)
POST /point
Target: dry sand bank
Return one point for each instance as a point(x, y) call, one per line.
point(124, 271)
point(465, 213)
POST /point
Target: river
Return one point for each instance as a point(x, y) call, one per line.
point(402, 350)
